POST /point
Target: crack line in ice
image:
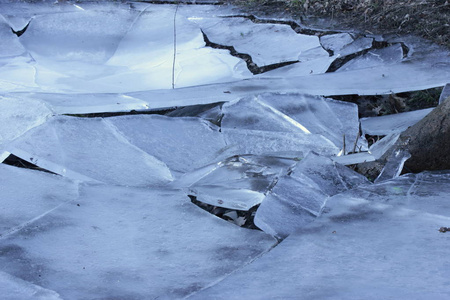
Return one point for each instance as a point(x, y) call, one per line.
point(254, 68)
point(235, 270)
point(25, 224)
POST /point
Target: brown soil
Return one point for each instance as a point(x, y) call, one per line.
point(425, 18)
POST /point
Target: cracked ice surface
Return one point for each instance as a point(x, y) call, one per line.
point(89, 149)
point(299, 196)
point(126, 243)
point(263, 42)
point(379, 244)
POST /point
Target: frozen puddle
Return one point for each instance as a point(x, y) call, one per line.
point(129, 133)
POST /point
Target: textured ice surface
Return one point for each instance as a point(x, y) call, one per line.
point(92, 148)
point(263, 42)
point(10, 45)
point(18, 289)
point(298, 197)
point(128, 243)
point(239, 182)
point(395, 123)
point(26, 195)
point(19, 115)
point(368, 246)
point(183, 144)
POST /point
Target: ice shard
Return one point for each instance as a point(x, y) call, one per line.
point(183, 144)
point(395, 123)
point(89, 149)
point(445, 93)
point(299, 196)
point(394, 165)
point(239, 182)
point(321, 122)
point(118, 242)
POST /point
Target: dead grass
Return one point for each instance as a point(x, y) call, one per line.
point(426, 18)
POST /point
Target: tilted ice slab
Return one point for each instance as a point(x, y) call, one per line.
point(117, 242)
point(239, 182)
point(299, 196)
point(396, 123)
point(89, 149)
point(183, 144)
point(19, 115)
point(265, 43)
point(28, 195)
point(312, 117)
point(360, 248)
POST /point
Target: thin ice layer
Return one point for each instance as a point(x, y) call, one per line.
point(263, 42)
point(92, 148)
point(27, 195)
point(299, 196)
point(358, 249)
point(88, 103)
point(396, 123)
point(183, 144)
point(10, 45)
point(239, 182)
point(20, 115)
point(126, 243)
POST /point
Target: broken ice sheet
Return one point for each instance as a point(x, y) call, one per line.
point(299, 196)
point(395, 123)
point(129, 243)
point(183, 144)
point(358, 250)
point(19, 115)
point(322, 122)
point(239, 182)
point(394, 165)
point(10, 45)
point(91, 148)
point(26, 195)
point(263, 42)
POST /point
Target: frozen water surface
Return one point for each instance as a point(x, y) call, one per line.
point(27, 195)
point(19, 115)
point(128, 243)
point(359, 248)
point(92, 148)
point(117, 225)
